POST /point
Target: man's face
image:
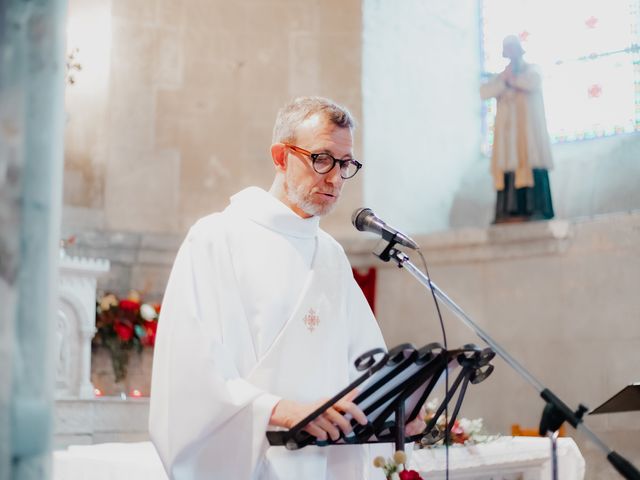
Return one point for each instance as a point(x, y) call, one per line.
point(309, 193)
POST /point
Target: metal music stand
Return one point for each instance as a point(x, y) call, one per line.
point(626, 400)
point(392, 388)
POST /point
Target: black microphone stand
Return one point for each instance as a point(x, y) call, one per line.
point(555, 412)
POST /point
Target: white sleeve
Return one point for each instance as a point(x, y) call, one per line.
point(204, 417)
point(364, 330)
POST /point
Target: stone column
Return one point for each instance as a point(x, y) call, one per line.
point(76, 324)
point(31, 136)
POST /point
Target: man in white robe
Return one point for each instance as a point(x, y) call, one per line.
point(262, 320)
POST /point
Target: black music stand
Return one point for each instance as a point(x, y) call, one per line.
point(626, 400)
point(392, 389)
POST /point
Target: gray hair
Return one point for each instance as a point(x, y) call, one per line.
point(299, 109)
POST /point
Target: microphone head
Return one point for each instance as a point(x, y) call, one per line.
point(358, 217)
point(366, 221)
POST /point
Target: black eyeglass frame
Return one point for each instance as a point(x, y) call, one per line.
point(314, 157)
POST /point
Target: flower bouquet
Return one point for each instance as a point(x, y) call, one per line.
point(394, 468)
point(123, 325)
point(463, 432)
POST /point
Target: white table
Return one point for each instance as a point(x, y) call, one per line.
point(507, 458)
point(108, 461)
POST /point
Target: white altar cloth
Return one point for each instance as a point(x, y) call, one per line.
point(507, 458)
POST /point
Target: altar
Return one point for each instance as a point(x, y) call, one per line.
point(507, 458)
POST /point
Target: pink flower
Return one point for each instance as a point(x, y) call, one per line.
point(458, 435)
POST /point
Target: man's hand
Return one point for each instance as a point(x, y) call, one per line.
point(417, 425)
point(288, 413)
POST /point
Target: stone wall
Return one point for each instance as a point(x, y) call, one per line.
point(591, 177)
point(139, 261)
point(181, 116)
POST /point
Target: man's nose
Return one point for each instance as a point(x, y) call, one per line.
point(333, 176)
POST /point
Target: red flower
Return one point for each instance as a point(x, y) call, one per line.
point(129, 305)
point(124, 330)
point(456, 429)
point(458, 435)
point(410, 475)
point(157, 307)
point(150, 328)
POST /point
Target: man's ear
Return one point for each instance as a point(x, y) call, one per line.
point(279, 156)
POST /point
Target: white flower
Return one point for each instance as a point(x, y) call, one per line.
point(433, 405)
point(148, 312)
point(108, 301)
point(472, 428)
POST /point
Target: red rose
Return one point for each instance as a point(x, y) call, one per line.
point(129, 305)
point(410, 475)
point(124, 330)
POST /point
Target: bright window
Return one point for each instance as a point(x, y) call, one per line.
point(589, 54)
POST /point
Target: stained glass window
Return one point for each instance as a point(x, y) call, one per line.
point(589, 54)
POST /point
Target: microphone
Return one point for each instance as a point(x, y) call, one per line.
point(366, 221)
